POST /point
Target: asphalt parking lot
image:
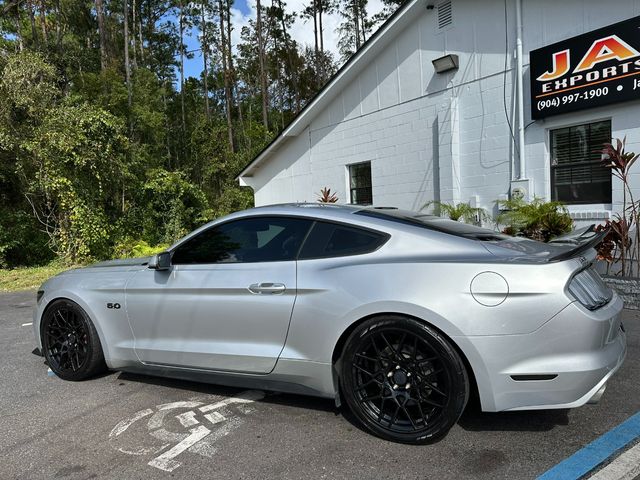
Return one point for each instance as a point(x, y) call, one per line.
point(129, 426)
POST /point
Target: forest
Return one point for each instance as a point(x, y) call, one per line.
point(108, 149)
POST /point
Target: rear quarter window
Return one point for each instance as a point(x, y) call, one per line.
point(335, 240)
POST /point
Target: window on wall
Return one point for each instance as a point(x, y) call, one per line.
point(360, 183)
point(577, 173)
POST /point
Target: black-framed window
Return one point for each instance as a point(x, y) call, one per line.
point(253, 239)
point(337, 240)
point(360, 183)
point(577, 173)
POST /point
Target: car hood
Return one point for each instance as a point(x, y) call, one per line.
point(121, 262)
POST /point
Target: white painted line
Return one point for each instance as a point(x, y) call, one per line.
point(215, 417)
point(245, 397)
point(195, 438)
point(188, 419)
point(124, 424)
point(625, 467)
point(27, 324)
point(169, 406)
point(158, 417)
point(166, 461)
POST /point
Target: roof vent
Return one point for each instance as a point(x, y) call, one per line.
point(445, 16)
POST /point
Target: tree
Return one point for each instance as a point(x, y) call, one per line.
point(263, 72)
point(355, 27)
point(73, 156)
point(205, 56)
point(315, 10)
point(102, 34)
point(127, 66)
point(102, 133)
point(224, 17)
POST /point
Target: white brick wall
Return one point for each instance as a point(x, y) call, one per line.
point(420, 129)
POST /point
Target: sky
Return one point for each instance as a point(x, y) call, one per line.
point(301, 31)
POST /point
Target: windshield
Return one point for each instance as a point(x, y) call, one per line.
point(494, 241)
point(432, 222)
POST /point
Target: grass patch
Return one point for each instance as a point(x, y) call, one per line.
point(28, 278)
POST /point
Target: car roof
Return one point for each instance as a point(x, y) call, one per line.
point(325, 211)
point(330, 211)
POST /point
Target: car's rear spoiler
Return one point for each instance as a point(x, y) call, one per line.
point(582, 240)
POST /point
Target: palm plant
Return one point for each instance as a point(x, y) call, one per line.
point(457, 211)
point(537, 219)
point(326, 196)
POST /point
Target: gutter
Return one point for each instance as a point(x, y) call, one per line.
point(520, 93)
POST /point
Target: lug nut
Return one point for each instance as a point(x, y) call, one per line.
point(408, 374)
point(408, 386)
point(389, 374)
point(397, 367)
point(395, 387)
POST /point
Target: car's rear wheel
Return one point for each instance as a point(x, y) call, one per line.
point(70, 342)
point(403, 380)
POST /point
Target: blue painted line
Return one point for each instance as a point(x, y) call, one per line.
point(588, 458)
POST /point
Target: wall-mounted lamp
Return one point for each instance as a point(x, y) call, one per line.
point(446, 63)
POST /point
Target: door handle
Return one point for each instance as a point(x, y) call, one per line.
point(267, 288)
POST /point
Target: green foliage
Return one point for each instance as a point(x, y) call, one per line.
point(134, 248)
point(28, 86)
point(538, 219)
point(173, 206)
point(458, 212)
point(31, 277)
point(21, 241)
point(96, 163)
point(75, 158)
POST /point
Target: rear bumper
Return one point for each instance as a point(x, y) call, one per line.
point(566, 362)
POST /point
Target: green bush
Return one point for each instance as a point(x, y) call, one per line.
point(74, 160)
point(457, 212)
point(21, 241)
point(538, 220)
point(173, 206)
point(133, 248)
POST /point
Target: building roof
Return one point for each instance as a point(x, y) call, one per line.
point(358, 61)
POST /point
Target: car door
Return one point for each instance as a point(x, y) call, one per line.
point(225, 302)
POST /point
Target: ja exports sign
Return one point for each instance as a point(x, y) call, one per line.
point(591, 70)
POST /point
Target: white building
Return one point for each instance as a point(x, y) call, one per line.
point(390, 130)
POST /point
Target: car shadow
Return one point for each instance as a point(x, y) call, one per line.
point(271, 397)
point(472, 420)
point(475, 420)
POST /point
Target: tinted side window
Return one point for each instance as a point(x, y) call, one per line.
point(257, 239)
point(333, 240)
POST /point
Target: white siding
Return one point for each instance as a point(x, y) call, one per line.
point(443, 136)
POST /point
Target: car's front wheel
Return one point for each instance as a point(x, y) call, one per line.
point(403, 380)
point(70, 342)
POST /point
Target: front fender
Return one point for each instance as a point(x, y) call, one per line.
point(92, 293)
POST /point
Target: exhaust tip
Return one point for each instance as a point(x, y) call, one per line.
point(598, 395)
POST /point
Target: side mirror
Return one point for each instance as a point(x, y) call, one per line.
point(160, 261)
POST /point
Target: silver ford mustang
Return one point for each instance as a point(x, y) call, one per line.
point(398, 314)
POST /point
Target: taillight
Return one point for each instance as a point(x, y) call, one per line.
point(588, 288)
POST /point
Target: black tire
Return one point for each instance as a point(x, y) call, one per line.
point(403, 380)
point(70, 342)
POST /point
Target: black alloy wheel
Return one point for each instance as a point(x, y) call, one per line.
point(403, 380)
point(70, 342)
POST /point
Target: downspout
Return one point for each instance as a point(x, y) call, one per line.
point(520, 94)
